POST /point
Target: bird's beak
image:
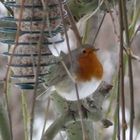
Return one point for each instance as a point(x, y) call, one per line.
point(96, 49)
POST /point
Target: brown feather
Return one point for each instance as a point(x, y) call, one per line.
point(89, 66)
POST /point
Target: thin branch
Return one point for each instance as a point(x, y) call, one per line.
point(133, 56)
point(25, 115)
point(132, 112)
point(85, 137)
point(74, 27)
point(122, 73)
point(93, 42)
point(134, 35)
point(65, 31)
point(8, 67)
point(45, 121)
point(118, 106)
point(112, 18)
point(37, 68)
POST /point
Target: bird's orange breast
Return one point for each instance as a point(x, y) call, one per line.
point(89, 67)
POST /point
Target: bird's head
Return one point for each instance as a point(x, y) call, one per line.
point(86, 64)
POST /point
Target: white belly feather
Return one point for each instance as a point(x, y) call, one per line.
point(84, 89)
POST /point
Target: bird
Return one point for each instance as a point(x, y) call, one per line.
point(85, 69)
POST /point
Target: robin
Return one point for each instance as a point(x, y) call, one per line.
point(85, 69)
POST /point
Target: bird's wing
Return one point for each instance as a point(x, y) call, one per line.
point(57, 71)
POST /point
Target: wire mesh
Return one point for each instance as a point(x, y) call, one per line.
point(26, 55)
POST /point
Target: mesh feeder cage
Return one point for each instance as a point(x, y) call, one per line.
point(28, 19)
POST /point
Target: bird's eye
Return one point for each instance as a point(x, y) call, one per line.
point(84, 51)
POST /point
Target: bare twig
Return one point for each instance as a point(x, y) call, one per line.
point(85, 137)
point(132, 112)
point(74, 27)
point(134, 35)
point(45, 120)
point(122, 73)
point(133, 56)
point(38, 68)
point(65, 31)
point(93, 42)
point(118, 106)
point(25, 114)
point(112, 18)
point(8, 67)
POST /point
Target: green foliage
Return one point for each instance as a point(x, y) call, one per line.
point(4, 127)
point(81, 7)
